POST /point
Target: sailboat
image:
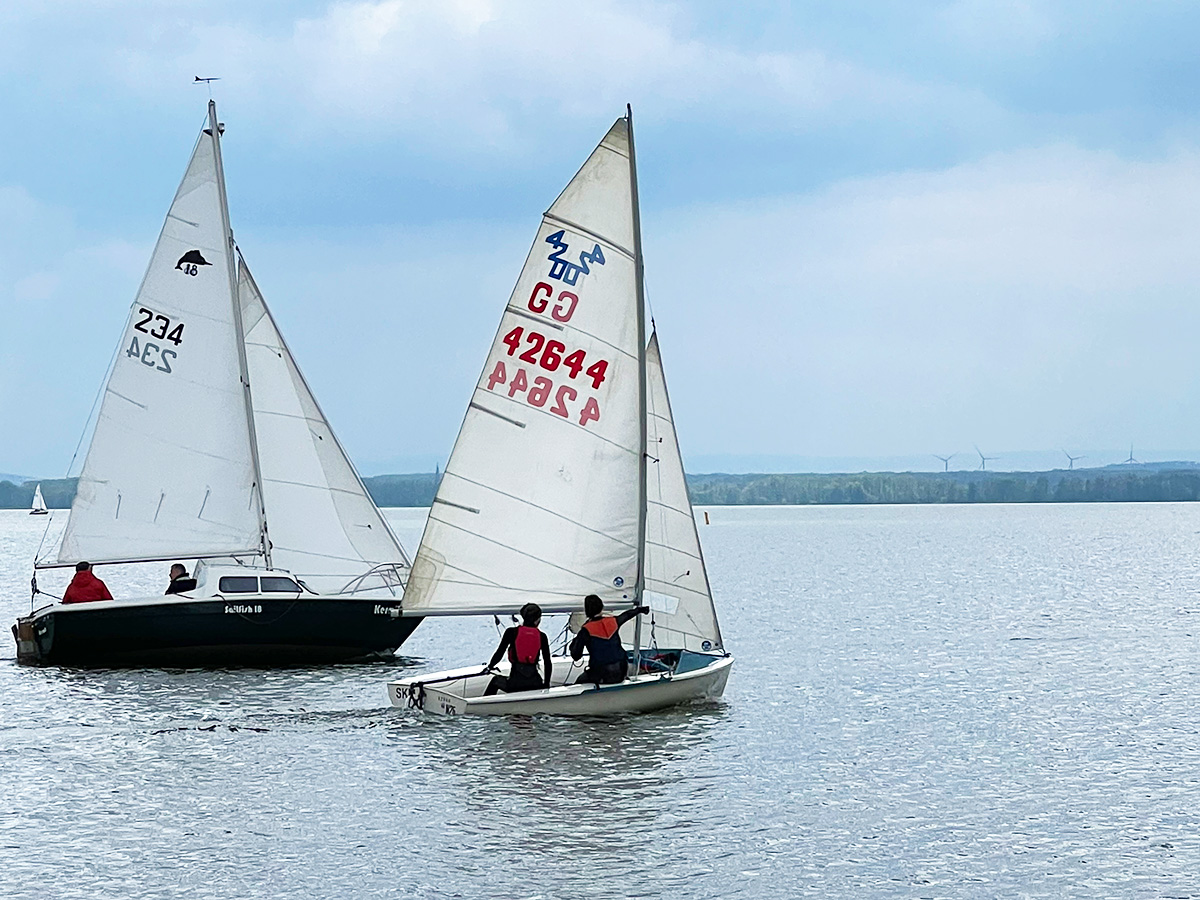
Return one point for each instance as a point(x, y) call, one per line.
point(566, 477)
point(206, 432)
point(38, 507)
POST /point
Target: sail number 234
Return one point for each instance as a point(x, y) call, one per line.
point(157, 326)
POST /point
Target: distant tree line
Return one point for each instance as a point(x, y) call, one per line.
point(1110, 484)
point(1059, 486)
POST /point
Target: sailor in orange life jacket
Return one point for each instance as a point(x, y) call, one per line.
point(607, 662)
point(524, 644)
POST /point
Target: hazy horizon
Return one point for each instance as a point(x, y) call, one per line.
point(750, 464)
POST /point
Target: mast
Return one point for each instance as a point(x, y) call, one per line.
point(214, 130)
point(639, 278)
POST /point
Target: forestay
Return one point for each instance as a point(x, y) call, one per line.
point(169, 472)
point(540, 497)
point(323, 525)
point(682, 615)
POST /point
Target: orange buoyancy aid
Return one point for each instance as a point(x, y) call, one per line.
point(526, 646)
point(605, 647)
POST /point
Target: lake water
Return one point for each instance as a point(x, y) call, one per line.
point(974, 701)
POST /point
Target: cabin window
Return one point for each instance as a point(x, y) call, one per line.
point(239, 584)
point(271, 584)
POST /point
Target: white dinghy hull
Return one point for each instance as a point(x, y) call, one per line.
point(459, 692)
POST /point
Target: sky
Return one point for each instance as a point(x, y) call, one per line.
point(874, 231)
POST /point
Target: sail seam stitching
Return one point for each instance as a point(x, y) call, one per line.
point(559, 220)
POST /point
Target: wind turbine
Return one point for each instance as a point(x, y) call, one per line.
point(945, 460)
point(1071, 463)
point(983, 460)
point(1131, 461)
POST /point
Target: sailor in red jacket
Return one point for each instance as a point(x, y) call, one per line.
point(85, 587)
point(524, 643)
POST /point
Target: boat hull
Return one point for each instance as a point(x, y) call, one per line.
point(459, 692)
point(181, 631)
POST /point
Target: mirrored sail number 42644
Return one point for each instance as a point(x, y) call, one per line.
point(154, 325)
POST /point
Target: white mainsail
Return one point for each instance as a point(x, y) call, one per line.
point(540, 498)
point(39, 502)
point(169, 473)
point(324, 526)
point(682, 615)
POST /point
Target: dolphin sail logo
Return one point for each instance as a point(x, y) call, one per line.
point(189, 261)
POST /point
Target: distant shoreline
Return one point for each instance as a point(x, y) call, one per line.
point(1142, 482)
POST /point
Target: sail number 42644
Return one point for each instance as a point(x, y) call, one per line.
point(539, 351)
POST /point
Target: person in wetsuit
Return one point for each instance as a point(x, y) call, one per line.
point(600, 637)
point(524, 644)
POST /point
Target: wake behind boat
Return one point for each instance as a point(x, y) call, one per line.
point(566, 478)
point(207, 430)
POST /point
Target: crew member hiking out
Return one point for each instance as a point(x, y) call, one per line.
point(524, 644)
point(600, 636)
point(85, 586)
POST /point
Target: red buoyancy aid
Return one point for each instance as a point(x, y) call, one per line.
point(526, 646)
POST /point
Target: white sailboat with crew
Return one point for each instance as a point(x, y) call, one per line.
point(206, 432)
point(566, 478)
point(38, 506)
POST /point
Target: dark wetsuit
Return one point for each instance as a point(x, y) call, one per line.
point(607, 660)
point(524, 644)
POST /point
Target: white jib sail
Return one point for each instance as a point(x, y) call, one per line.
point(322, 524)
point(682, 615)
point(39, 502)
point(168, 474)
point(539, 500)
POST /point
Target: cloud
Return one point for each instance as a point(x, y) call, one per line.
point(464, 76)
point(1027, 299)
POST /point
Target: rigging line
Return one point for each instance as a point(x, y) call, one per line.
point(511, 549)
point(87, 423)
point(536, 506)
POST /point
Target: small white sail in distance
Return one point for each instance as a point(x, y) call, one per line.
point(540, 498)
point(169, 473)
point(39, 502)
point(324, 526)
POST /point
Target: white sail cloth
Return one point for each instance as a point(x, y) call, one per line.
point(169, 472)
point(682, 615)
point(539, 500)
point(39, 502)
point(322, 523)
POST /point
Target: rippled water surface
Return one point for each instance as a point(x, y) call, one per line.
point(982, 701)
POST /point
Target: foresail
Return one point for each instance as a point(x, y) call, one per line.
point(539, 500)
point(323, 525)
point(677, 590)
point(168, 473)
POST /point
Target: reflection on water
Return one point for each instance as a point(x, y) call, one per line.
point(958, 702)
